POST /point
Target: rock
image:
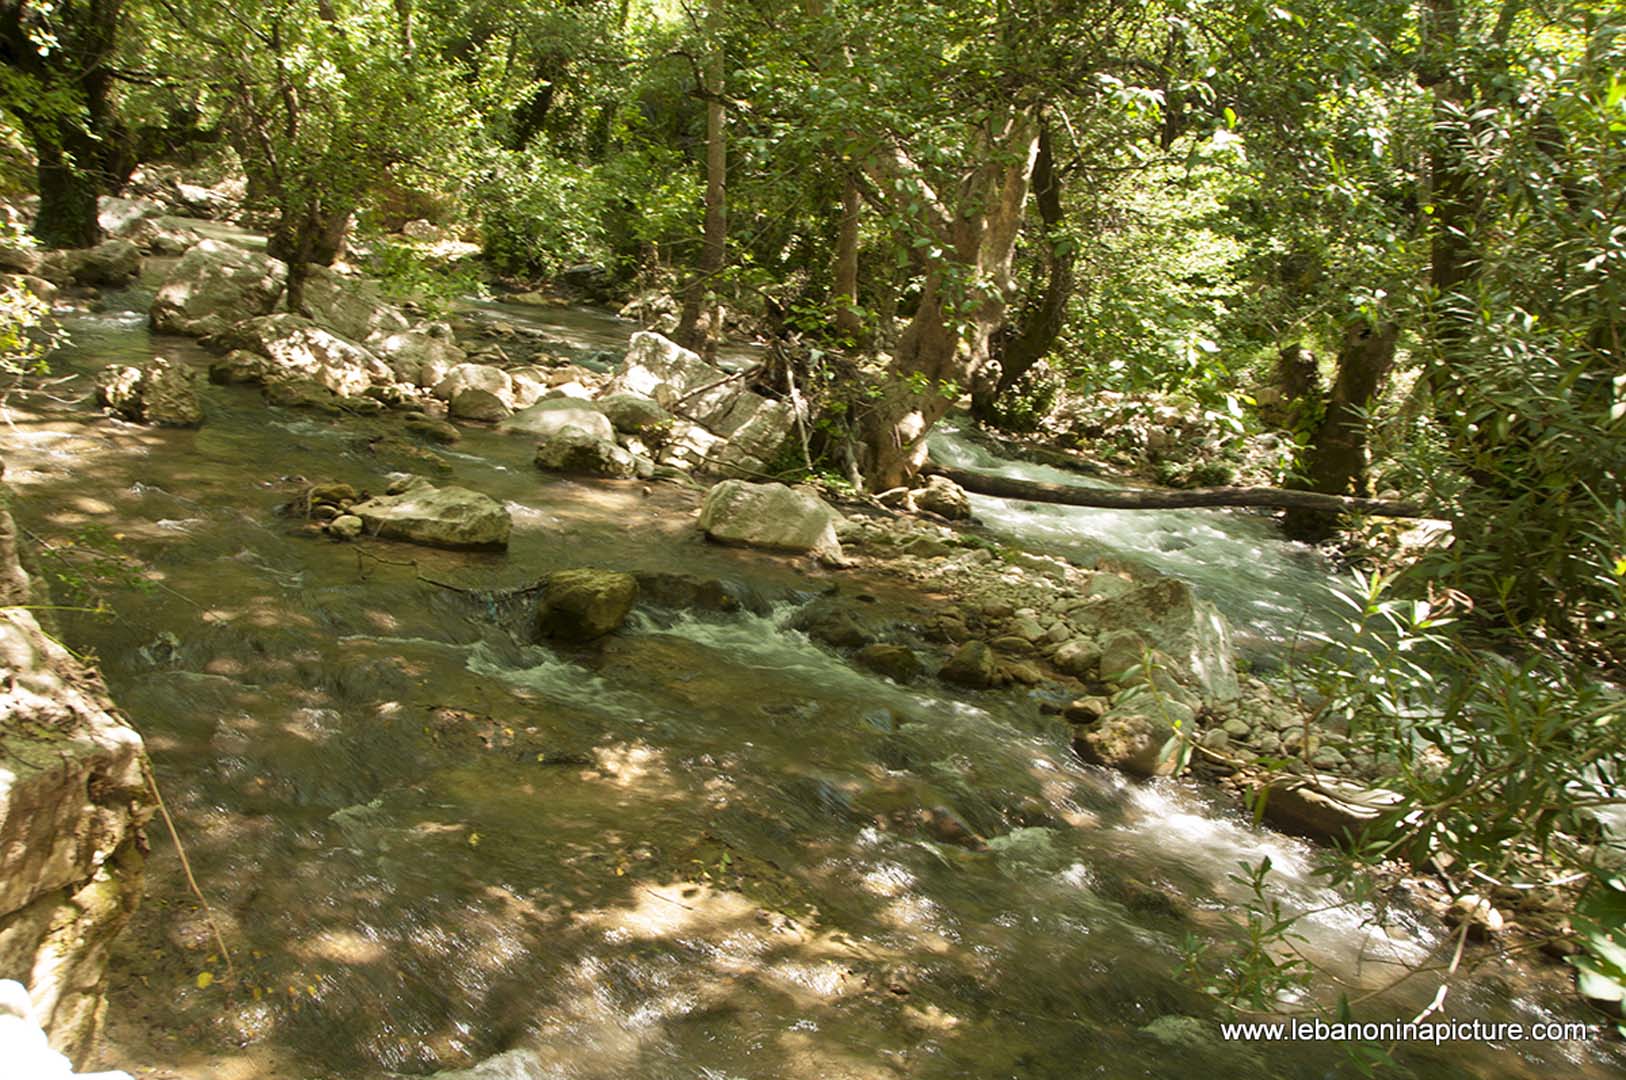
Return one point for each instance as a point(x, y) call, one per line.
point(215, 285)
point(571, 450)
point(897, 662)
point(1483, 920)
point(352, 307)
point(972, 664)
point(474, 403)
point(632, 414)
point(548, 418)
point(826, 621)
point(944, 497)
point(300, 394)
point(688, 446)
point(1324, 808)
point(581, 605)
point(420, 229)
point(1236, 729)
point(73, 803)
point(300, 349)
point(16, 259)
point(161, 393)
point(24, 1047)
point(240, 366)
point(756, 442)
point(416, 357)
point(1133, 740)
point(493, 381)
point(1217, 739)
point(770, 516)
point(436, 431)
point(452, 517)
point(1080, 658)
point(1086, 710)
point(346, 526)
point(657, 368)
point(1192, 634)
point(118, 218)
point(112, 262)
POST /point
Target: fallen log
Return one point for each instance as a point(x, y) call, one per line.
point(1149, 499)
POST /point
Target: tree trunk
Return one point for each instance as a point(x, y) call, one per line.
point(697, 328)
point(844, 288)
point(69, 190)
point(1015, 355)
point(1335, 462)
point(940, 354)
point(1004, 487)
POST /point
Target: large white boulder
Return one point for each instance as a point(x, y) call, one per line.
point(214, 286)
point(451, 517)
point(657, 368)
point(1192, 636)
point(420, 356)
point(770, 516)
point(547, 418)
point(300, 349)
point(354, 307)
point(118, 217)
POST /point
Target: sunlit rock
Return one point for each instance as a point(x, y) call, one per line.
point(452, 517)
point(770, 516)
point(215, 285)
point(584, 604)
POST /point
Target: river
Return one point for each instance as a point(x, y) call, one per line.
point(697, 851)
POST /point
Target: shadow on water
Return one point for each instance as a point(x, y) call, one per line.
point(704, 846)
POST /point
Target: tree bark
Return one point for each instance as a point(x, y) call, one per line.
point(1144, 499)
point(1015, 355)
point(1335, 462)
point(939, 354)
point(844, 288)
point(697, 327)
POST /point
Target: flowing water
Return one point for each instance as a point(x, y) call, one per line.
point(707, 848)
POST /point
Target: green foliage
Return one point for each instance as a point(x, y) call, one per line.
point(403, 270)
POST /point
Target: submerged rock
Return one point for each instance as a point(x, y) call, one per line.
point(897, 662)
point(452, 517)
point(215, 285)
point(972, 664)
point(584, 604)
point(770, 516)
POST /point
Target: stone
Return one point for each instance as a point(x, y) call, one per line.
point(1483, 920)
point(160, 393)
point(633, 414)
point(473, 403)
point(827, 622)
point(1237, 729)
point(300, 394)
point(452, 517)
point(118, 218)
point(1086, 710)
point(112, 262)
point(657, 368)
point(944, 497)
point(73, 804)
point(494, 381)
point(582, 605)
point(435, 431)
point(298, 348)
point(1132, 740)
point(1120, 652)
point(417, 357)
point(770, 516)
point(548, 418)
point(215, 285)
point(1080, 658)
point(571, 450)
point(1324, 808)
point(346, 526)
point(1217, 739)
point(1190, 632)
point(240, 366)
point(972, 665)
point(354, 308)
point(897, 662)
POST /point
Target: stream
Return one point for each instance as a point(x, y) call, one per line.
point(699, 850)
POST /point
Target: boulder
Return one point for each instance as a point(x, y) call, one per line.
point(240, 366)
point(1080, 658)
point(770, 516)
point(972, 664)
point(1324, 808)
point(112, 262)
point(1191, 633)
point(300, 349)
point(450, 517)
point(633, 414)
point(549, 418)
point(572, 450)
point(944, 497)
point(73, 802)
point(581, 605)
point(160, 393)
point(897, 662)
point(491, 381)
point(473, 403)
point(1136, 739)
point(215, 285)
point(353, 307)
point(657, 368)
point(416, 356)
point(119, 218)
point(756, 442)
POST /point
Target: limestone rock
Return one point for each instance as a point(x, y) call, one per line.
point(112, 262)
point(1132, 740)
point(1190, 632)
point(352, 307)
point(417, 356)
point(1324, 808)
point(632, 414)
point(1080, 658)
point(299, 349)
point(972, 664)
point(452, 517)
point(943, 496)
point(215, 285)
point(118, 218)
point(657, 368)
point(160, 393)
point(491, 381)
point(897, 662)
point(547, 418)
point(572, 450)
point(581, 605)
point(770, 516)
